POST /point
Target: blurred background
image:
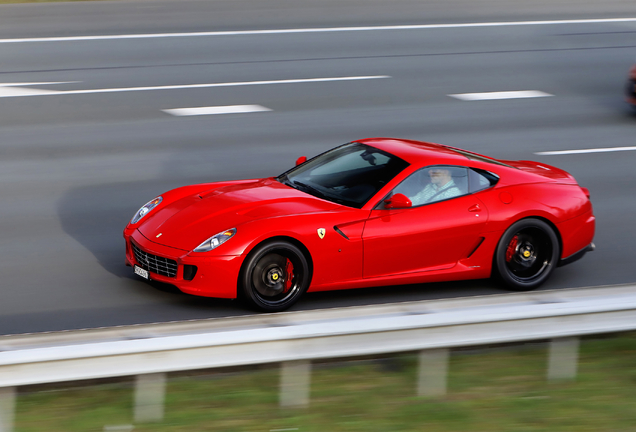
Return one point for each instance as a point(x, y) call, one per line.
point(88, 135)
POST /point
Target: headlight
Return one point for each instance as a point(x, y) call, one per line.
point(216, 240)
point(146, 209)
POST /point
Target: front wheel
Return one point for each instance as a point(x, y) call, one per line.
point(274, 276)
point(526, 254)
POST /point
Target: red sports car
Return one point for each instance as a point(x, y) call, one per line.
point(373, 212)
point(630, 87)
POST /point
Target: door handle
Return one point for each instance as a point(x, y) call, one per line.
point(474, 208)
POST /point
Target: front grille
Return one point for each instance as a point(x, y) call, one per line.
point(156, 264)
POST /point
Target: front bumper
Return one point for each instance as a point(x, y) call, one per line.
point(198, 274)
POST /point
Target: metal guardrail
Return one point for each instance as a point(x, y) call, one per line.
point(296, 338)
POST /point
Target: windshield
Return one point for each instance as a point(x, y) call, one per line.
point(350, 174)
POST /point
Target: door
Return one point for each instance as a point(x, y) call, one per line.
point(428, 237)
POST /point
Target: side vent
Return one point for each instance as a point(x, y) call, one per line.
point(340, 232)
point(479, 242)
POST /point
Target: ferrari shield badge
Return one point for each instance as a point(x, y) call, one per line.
point(321, 232)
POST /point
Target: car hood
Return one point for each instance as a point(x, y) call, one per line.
point(189, 221)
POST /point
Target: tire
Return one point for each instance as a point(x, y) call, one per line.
point(526, 254)
point(274, 276)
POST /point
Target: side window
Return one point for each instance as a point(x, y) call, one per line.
point(480, 180)
point(434, 183)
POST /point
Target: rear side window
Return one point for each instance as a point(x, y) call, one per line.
point(480, 180)
point(434, 183)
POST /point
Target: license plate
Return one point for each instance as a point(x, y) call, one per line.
point(141, 272)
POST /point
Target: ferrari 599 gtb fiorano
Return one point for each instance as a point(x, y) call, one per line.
point(374, 212)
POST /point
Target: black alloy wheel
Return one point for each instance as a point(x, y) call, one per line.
point(526, 254)
point(274, 276)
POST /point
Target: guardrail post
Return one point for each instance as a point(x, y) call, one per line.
point(433, 371)
point(295, 379)
point(7, 408)
point(150, 390)
point(563, 358)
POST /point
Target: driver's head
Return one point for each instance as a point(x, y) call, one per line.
point(439, 176)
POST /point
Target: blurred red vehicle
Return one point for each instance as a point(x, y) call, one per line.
point(374, 212)
point(630, 88)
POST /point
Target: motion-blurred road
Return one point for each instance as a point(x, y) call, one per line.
point(87, 135)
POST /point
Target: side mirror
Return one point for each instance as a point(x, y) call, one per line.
point(398, 201)
point(301, 160)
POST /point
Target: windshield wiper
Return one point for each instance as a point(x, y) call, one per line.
point(309, 188)
point(313, 191)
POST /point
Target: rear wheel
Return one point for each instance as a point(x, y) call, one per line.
point(526, 254)
point(274, 276)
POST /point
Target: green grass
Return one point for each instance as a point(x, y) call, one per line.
point(492, 390)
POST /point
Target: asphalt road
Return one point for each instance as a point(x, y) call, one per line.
point(85, 140)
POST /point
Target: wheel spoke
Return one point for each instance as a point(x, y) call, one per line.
point(275, 278)
point(268, 276)
point(527, 254)
point(276, 275)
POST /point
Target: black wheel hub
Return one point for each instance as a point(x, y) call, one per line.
point(528, 255)
point(272, 279)
point(274, 276)
point(269, 280)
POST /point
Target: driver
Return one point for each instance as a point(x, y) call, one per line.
point(441, 187)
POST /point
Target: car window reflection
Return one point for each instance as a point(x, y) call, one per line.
point(348, 175)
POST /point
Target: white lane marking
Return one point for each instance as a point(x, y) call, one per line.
point(15, 89)
point(317, 30)
point(211, 110)
point(595, 150)
point(24, 84)
point(524, 94)
point(21, 91)
point(189, 86)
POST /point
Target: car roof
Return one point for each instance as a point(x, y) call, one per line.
point(417, 152)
